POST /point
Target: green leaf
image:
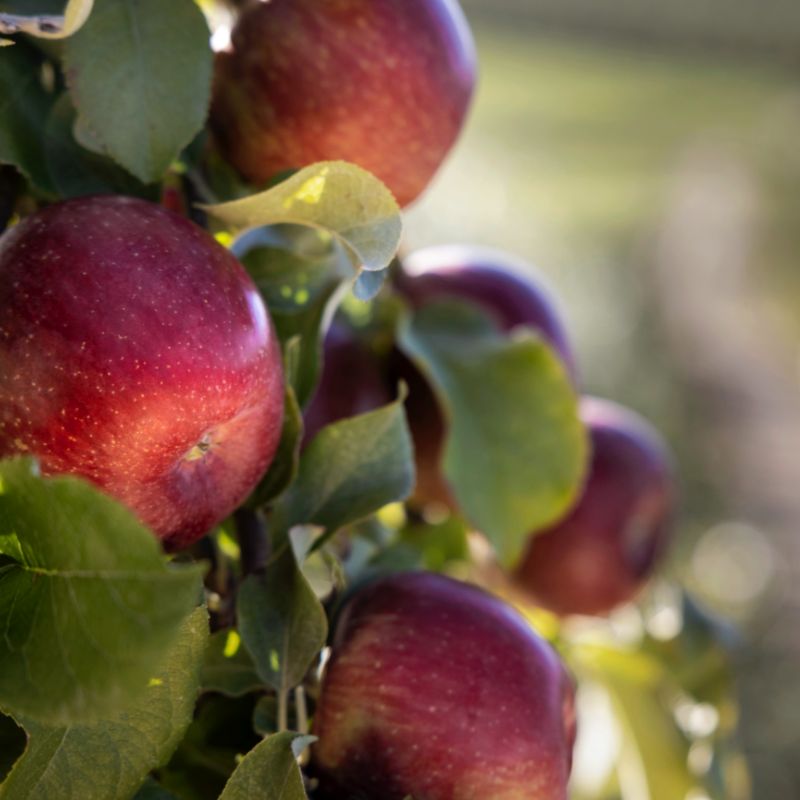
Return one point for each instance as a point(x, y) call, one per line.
point(439, 543)
point(49, 26)
point(218, 736)
point(139, 73)
point(281, 621)
point(351, 469)
point(516, 450)
point(109, 758)
point(298, 273)
point(652, 740)
point(698, 660)
point(270, 770)
point(24, 110)
point(334, 196)
point(90, 605)
point(228, 667)
point(75, 171)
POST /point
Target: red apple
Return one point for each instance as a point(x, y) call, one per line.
point(440, 691)
point(502, 286)
point(351, 381)
point(608, 545)
point(382, 83)
point(136, 352)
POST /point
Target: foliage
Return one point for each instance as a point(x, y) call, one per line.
point(105, 646)
point(511, 401)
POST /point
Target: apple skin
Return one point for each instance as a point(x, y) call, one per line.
point(384, 84)
point(136, 352)
point(503, 287)
point(438, 690)
point(602, 553)
point(351, 381)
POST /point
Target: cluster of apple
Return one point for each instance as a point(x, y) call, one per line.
point(486, 675)
point(136, 352)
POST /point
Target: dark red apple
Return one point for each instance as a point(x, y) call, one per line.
point(502, 286)
point(439, 691)
point(384, 84)
point(136, 352)
point(351, 381)
point(602, 553)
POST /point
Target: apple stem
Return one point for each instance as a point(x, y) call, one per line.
point(283, 711)
point(301, 709)
point(253, 542)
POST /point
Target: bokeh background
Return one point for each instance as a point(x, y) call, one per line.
point(646, 158)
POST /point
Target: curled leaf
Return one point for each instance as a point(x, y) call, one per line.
point(342, 199)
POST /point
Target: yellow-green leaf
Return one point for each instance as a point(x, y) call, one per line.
point(334, 196)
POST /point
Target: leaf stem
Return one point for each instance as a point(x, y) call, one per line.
point(301, 709)
point(283, 710)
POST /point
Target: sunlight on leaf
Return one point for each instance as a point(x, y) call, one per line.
point(333, 196)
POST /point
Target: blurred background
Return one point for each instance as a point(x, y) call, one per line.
point(645, 156)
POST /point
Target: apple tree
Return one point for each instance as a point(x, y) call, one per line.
point(287, 512)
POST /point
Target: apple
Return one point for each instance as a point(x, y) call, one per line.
point(602, 553)
point(505, 288)
point(381, 83)
point(438, 690)
point(136, 352)
point(351, 381)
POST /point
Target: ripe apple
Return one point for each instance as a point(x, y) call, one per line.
point(351, 381)
point(438, 690)
point(601, 554)
point(136, 352)
point(381, 83)
point(503, 287)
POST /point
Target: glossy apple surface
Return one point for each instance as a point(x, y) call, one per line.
point(136, 352)
point(502, 286)
point(440, 691)
point(385, 84)
point(351, 382)
point(601, 554)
